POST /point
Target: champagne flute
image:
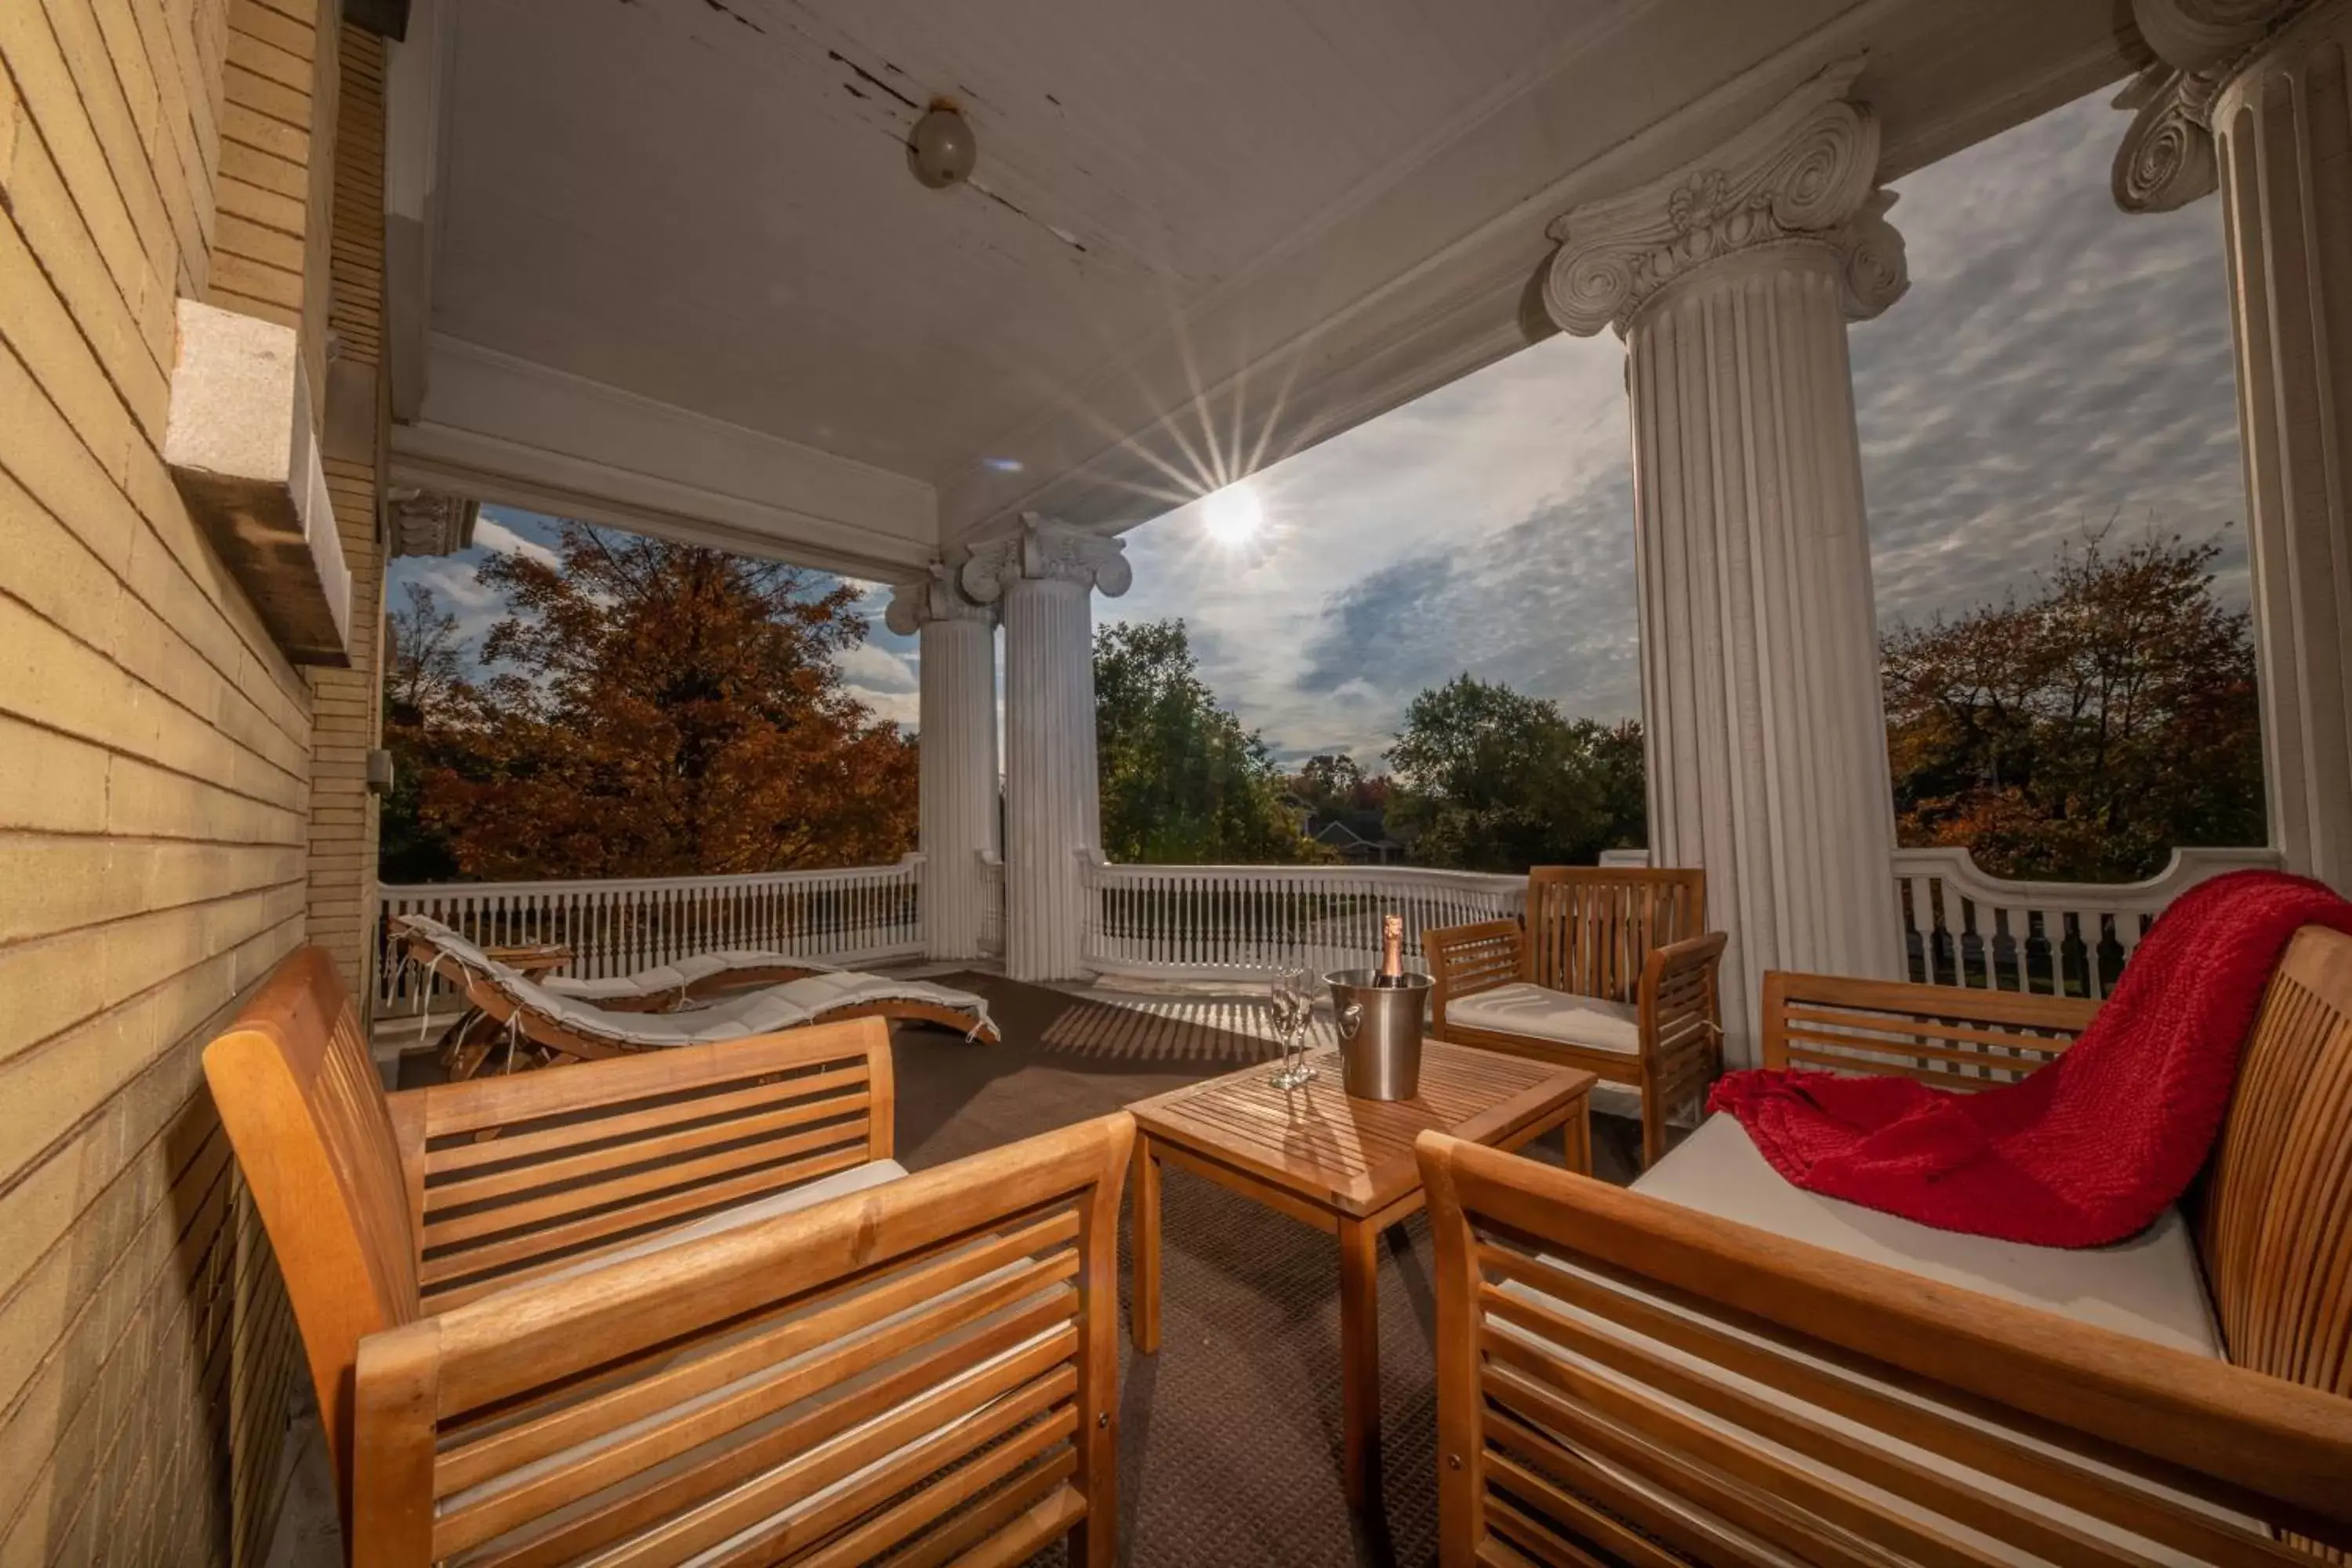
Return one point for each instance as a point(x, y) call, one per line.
point(1292, 1003)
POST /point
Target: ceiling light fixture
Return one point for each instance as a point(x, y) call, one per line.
point(940, 150)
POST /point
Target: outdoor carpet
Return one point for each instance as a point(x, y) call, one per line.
point(1229, 1437)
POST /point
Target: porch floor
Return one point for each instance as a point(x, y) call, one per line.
point(1229, 1437)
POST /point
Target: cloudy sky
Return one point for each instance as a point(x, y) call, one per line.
point(2055, 364)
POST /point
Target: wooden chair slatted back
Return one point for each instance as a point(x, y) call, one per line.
point(1592, 928)
point(587, 1159)
point(304, 1108)
point(2274, 1214)
point(930, 1367)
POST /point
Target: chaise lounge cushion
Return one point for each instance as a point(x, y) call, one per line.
point(760, 1012)
point(676, 976)
point(1521, 1008)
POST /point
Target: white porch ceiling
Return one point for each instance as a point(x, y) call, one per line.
point(681, 279)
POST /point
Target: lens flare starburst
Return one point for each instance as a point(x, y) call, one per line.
point(1233, 515)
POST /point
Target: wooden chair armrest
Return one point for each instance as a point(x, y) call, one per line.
point(1681, 1017)
point(512, 1175)
point(1949, 1036)
point(1467, 959)
point(1637, 1274)
point(940, 1350)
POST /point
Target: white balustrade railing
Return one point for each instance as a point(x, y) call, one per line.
point(1963, 927)
point(1216, 922)
point(857, 915)
point(992, 904)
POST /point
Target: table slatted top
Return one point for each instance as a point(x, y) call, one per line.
point(1355, 1156)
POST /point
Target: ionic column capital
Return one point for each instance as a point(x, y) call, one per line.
point(932, 598)
point(1046, 551)
point(2167, 159)
point(1805, 173)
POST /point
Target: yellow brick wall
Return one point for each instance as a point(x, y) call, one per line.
point(156, 757)
point(345, 712)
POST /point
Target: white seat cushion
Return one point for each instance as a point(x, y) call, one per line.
point(2150, 1286)
point(1520, 1008)
point(855, 1179)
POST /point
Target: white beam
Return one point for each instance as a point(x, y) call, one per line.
point(414, 104)
point(506, 430)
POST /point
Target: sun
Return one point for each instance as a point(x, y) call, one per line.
point(1233, 515)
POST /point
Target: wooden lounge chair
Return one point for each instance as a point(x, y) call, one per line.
point(679, 1303)
point(1719, 1367)
point(1612, 971)
point(568, 1025)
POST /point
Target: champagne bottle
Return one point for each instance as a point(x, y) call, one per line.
point(1391, 975)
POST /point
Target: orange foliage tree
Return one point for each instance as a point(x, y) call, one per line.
point(2084, 733)
point(665, 709)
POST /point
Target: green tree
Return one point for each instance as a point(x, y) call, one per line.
point(1490, 780)
point(1182, 783)
point(2083, 733)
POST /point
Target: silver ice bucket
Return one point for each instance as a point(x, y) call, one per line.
point(1379, 1033)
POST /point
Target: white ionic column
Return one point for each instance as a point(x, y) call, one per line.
point(1044, 581)
point(1732, 281)
point(2257, 99)
point(957, 734)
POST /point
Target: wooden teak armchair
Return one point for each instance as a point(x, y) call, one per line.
point(680, 1305)
point(1612, 971)
point(1624, 1376)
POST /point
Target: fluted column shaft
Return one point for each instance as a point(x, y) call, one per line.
point(1044, 581)
point(1732, 282)
point(2283, 124)
point(1052, 797)
point(1767, 739)
point(957, 733)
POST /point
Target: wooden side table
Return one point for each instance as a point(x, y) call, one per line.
point(1346, 1167)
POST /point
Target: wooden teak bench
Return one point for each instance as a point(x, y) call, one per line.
point(1625, 1377)
point(680, 1305)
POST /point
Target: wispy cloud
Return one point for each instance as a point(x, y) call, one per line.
point(2055, 364)
point(495, 537)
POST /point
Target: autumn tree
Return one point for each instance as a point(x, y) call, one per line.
point(1334, 785)
point(1182, 783)
point(432, 724)
point(1490, 780)
point(666, 709)
point(2083, 733)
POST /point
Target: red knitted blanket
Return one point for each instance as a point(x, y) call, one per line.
point(2084, 1152)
